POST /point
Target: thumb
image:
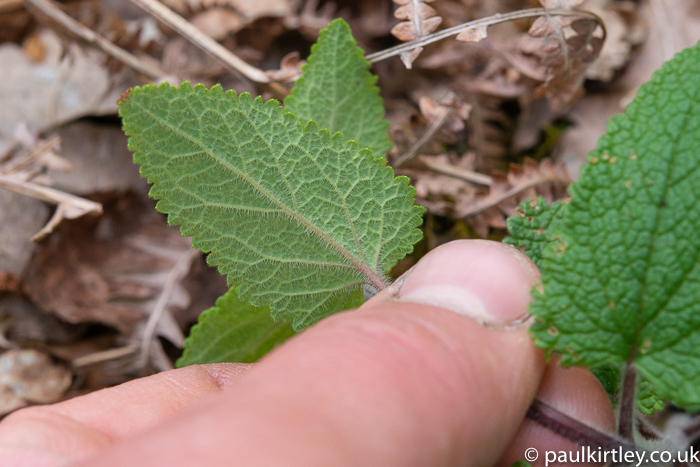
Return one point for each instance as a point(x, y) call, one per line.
point(428, 372)
point(490, 362)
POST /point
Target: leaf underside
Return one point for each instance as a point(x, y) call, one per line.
point(621, 278)
point(233, 331)
point(299, 220)
point(338, 92)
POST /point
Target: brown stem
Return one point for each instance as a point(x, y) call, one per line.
point(625, 426)
point(482, 22)
point(573, 430)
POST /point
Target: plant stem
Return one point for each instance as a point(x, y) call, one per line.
point(457, 172)
point(573, 430)
point(625, 427)
point(482, 22)
point(204, 42)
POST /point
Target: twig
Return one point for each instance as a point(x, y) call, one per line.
point(69, 206)
point(573, 430)
point(625, 427)
point(40, 149)
point(434, 128)
point(201, 40)
point(104, 356)
point(479, 208)
point(456, 172)
point(50, 9)
point(479, 23)
point(177, 273)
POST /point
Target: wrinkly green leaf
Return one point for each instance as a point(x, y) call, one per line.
point(233, 331)
point(647, 401)
point(338, 92)
point(299, 220)
point(621, 279)
point(530, 228)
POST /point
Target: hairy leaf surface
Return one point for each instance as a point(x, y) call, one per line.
point(337, 91)
point(233, 331)
point(299, 220)
point(621, 279)
point(530, 228)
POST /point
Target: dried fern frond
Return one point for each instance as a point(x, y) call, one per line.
point(476, 34)
point(569, 48)
point(561, 3)
point(290, 68)
point(491, 207)
point(420, 19)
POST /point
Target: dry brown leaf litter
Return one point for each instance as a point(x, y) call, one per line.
point(111, 269)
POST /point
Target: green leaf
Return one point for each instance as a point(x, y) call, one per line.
point(647, 400)
point(531, 226)
point(233, 331)
point(337, 90)
point(610, 376)
point(621, 279)
point(299, 220)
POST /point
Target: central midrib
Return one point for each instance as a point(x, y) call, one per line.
point(652, 246)
point(364, 269)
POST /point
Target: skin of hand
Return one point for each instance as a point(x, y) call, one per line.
point(433, 371)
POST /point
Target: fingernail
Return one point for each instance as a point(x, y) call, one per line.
point(487, 281)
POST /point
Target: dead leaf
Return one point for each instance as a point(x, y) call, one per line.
point(673, 25)
point(420, 19)
point(101, 159)
point(290, 68)
point(62, 87)
point(561, 3)
point(472, 35)
point(568, 48)
point(491, 207)
point(458, 111)
point(9, 282)
point(20, 218)
point(218, 22)
point(67, 205)
point(249, 10)
point(110, 269)
point(28, 323)
point(311, 19)
point(621, 35)
point(436, 186)
point(29, 376)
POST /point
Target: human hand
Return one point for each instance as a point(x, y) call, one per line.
point(403, 381)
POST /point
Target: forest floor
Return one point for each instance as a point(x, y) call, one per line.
point(479, 122)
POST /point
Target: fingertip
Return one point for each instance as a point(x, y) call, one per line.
point(484, 280)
